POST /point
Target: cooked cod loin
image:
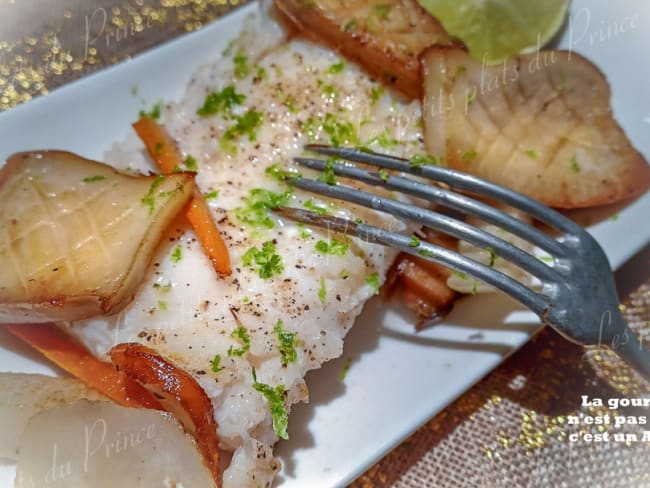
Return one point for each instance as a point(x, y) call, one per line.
point(77, 235)
point(540, 124)
point(385, 37)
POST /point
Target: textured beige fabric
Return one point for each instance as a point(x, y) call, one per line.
point(511, 429)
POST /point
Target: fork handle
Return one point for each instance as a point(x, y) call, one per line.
point(628, 347)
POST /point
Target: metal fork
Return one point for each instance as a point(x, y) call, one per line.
point(577, 297)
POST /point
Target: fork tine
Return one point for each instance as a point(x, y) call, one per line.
point(437, 221)
point(426, 250)
point(446, 198)
point(456, 179)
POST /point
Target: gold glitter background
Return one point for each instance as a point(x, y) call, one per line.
point(512, 428)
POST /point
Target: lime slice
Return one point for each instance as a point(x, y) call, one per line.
point(494, 30)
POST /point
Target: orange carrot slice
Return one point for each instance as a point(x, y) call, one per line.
point(164, 152)
point(208, 234)
point(147, 367)
point(159, 143)
point(74, 358)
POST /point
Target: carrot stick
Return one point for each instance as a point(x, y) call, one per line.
point(159, 143)
point(164, 152)
point(74, 358)
point(208, 234)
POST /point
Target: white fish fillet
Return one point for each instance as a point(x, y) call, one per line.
point(185, 312)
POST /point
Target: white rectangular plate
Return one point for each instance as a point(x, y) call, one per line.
point(397, 379)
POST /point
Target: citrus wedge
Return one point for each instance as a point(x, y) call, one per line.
point(494, 30)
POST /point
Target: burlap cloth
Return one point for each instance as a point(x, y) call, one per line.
point(514, 428)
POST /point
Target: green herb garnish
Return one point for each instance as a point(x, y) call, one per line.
point(415, 241)
point(177, 255)
point(375, 94)
point(471, 154)
point(241, 335)
point(420, 160)
point(373, 281)
point(211, 195)
point(256, 207)
point(320, 210)
point(334, 247)
point(287, 345)
point(575, 166)
point(242, 68)
point(322, 291)
point(221, 102)
point(346, 368)
point(215, 364)
point(275, 398)
point(154, 113)
point(531, 153)
point(149, 200)
point(269, 263)
point(93, 179)
point(328, 175)
point(245, 125)
point(336, 68)
point(281, 174)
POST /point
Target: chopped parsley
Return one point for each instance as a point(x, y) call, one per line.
point(261, 73)
point(575, 166)
point(281, 174)
point(177, 255)
point(211, 195)
point(336, 68)
point(93, 179)
point(384, 140)
point(269, 263)
point(349, 25)
point(420, 160)
point(329, 92)
point(287, 345)
point(215, 364)
point(166, 288)
point(190, 164)
point(415, 241)
point(241, 335)
point(154, 113)
point(384, 175)
point(245, 125)
point(531, 153)
point(382, 11)
point(346, 368)
point(275, 398)
point(425, 253)
point(221, 102)
point(375, 94)
point(320, 210)
point(493, 256)
point(341, 132)
point(256, 207)
point(469, 98)
point(373, 281)
point(322, 291)
point(328, 175)
point(149, 200)
point(460, 274)
point(334, 247)
point(242, 68)
point(162, 305)
point(471, 154)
